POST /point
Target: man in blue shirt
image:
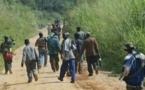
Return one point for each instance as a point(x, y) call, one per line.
point(133, 68)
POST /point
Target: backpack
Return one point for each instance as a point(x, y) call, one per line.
point(135, 67)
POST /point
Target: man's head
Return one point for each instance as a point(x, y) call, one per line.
point(6, 37)
point(88, 34)
point(66, 35)
point(129, 47)
point(40, 34)
point(26, 41)
point(78, 29)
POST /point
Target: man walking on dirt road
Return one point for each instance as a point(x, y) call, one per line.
point(30, 58)
point(41, 43)
point(92, 53)
point(68, 58)
point(79, 60)
point(54, 49)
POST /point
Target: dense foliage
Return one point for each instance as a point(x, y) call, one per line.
point(112, 22)
point(16, 21)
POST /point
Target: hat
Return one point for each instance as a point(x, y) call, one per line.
point(6, 37)
point(128, 45)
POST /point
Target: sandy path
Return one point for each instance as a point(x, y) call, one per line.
point(47, 79)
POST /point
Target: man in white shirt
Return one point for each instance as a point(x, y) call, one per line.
point(68, 58)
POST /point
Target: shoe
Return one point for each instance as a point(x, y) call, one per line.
point(10, 71)
point(6, 73)
point(53, 70)
point(72, 81)
point(96, 71)
point(80, 72)
point(36, 77)
point(29, 81)
point(45, 65)
point(60, 79)
point(90, 75)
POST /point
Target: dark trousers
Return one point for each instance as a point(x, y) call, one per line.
point(79, 64)
point(92, 61)
point(134, 88)
point(54, 61)
point(8, 65)
point(31, 69)
point(65, 64)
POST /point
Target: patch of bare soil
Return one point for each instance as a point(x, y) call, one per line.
point(99, 82)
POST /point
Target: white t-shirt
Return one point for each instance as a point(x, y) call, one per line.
point(67, 50)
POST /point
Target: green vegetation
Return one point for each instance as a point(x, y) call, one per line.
point(16, 21)
point(112, 22)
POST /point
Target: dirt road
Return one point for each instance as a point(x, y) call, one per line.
point(48, 80)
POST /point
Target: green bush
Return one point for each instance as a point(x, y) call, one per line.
point(112, 22)
point(18, 22)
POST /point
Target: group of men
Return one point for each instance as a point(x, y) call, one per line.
point(73, 52)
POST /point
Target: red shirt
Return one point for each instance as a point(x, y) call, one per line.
point(8, 56)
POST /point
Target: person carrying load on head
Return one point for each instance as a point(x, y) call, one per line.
point(6, 49)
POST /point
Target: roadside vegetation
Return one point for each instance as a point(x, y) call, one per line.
point(113, 23)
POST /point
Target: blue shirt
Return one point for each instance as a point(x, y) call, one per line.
point(132, 63)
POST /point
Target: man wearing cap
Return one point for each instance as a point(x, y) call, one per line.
point(133, 68)
point(92, 53)
point(7, 53)
point(30, 58)
point(68, 58)
point(41, 43)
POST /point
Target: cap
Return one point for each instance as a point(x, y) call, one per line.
point(128, 45)
point(6, 37)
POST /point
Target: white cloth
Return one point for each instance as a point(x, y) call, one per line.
point(68, 50)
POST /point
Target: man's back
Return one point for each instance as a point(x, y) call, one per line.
point(79, 44)
point(41, 43)
point(29, 53)
point(81, 35)
point(90, 44)
point(53, 45)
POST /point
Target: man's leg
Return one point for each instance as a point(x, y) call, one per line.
point(72, 70)
point(6, 68)
point(89, 66)
point(94, 63)
point(57, 62)
point(40, 62)
point(45, 58)
point(80, 65)
point(29, 74)
point(33, 70)
point(9, 64)
point(52, 62)
point(63, 69)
